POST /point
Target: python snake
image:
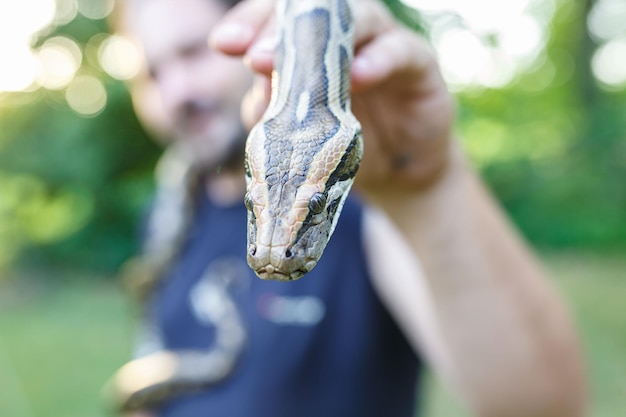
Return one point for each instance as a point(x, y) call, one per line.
point(302, 156)
point(301, 159)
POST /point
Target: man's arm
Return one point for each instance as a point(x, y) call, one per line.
point(477, 303)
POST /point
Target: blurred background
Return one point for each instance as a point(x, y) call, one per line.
point(541, 86)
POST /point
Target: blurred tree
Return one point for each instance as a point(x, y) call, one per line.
point(556, 155)
point(73, 185)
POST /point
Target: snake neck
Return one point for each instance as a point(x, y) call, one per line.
point(320, 33)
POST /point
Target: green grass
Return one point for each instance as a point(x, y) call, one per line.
point(57, 347)
point(596, 289)
point(59, 343)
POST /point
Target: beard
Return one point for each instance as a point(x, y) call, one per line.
point(211, 133)
point(232, 158)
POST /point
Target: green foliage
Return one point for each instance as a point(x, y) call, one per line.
point(555, 156)
point(71, 186)
point(407, 15)
point(551, 144)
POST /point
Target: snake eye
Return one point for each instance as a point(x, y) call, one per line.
point(247, 200)
point(317, 203)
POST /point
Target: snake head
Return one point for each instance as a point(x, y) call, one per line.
point(291, 216)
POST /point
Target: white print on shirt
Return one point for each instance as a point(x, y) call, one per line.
point(291, 310)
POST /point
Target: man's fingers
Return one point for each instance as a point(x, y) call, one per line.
point(384, 47)
point(396, 50)
point(241, 26)
point(260, 56)
point(372, 19)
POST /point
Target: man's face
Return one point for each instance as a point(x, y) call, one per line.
point(200, 89)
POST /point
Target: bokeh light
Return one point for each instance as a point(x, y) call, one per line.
point(606, 19)
point(522, 38)
point(486, 42)
point(469, 57)
point(19, 69)
point(119, 57)
point(60, 58)
point(86, 95)
point(95, 9)
point(25, 17)
point(19, 21)
point(606, 26)
point(609, 63)
point(66, 11)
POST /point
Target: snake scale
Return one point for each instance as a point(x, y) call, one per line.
point(301, 159)
point(302, 156)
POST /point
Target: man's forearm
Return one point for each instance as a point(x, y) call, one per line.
point(509, 340)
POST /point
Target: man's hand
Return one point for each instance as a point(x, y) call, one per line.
point(398, 96)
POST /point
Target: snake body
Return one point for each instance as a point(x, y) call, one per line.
point(302, 156)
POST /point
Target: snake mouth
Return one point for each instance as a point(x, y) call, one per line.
point(270, 272)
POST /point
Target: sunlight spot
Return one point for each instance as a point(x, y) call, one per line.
point(606, 19)
point(609, 63)
point(484, 16)
point(92, 48)
point(25, 17)
point(522, 38)
point(19, 20)
point(19, 69)
point(462, 55)
point(486, 42)
point(66, 11)
point(60, 59)
point(95, 9)
point(119, 57)
point(86, 95)
point(497, 72)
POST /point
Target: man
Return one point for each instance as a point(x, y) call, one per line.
point(421, 260)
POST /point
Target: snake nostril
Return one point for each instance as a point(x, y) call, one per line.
point(252, 250)
point(288, 254)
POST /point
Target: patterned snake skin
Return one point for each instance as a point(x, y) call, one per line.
point(301, 158)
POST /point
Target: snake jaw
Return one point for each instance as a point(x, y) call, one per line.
point(286, 248)
point(305, 240)
point(278, 263)
point(270, 273)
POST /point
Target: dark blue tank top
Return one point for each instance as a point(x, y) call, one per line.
point(322, 346)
